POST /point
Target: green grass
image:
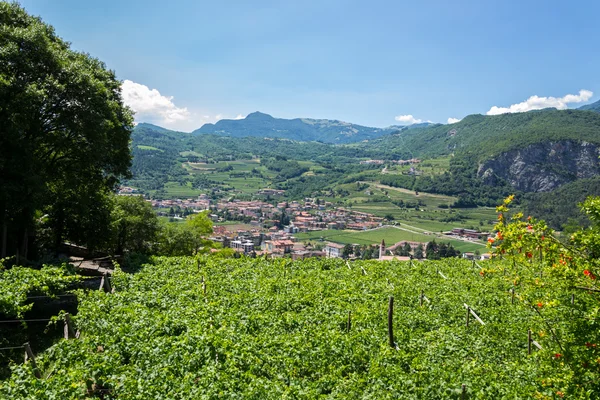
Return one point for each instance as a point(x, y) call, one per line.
point(175, 190)
point(143, 147)
point(389, 234)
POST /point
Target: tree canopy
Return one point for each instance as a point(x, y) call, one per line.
point(65, 131)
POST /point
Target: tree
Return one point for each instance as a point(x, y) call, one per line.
point(432, 250)
point(134, 223)
point(201, 226)
point(347, 251)
point(64, 129)
point(184, 239)
point(419, 251)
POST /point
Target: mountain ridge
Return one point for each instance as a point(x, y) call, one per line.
point(258, 124)
point(591, 107)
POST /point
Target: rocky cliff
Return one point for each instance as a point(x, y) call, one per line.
point(543, 167)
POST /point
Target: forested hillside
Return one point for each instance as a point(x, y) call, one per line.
point(591, 107)
point(488, 136)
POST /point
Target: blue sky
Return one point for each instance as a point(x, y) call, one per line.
point(375, 63)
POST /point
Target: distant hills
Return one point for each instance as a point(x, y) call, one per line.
point(487, 136)
point(591, 107)
point(258, 124)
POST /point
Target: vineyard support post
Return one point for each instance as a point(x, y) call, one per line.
point(421, 299)
point(573, 298)
point(513, 296)
point(463, 392)
point(107, 287)
point(101, 283)
point(468, 314)
point(391, 322)
point(68, 328)
point(529, 341)
point(29, 355)
point(349, 325)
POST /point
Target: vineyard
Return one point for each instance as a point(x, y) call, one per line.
point(189, 328)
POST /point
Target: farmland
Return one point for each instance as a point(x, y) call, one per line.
point(391, 235)
point(202, 328)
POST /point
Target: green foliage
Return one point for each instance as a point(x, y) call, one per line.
point(436, 251)
point(556, 207)
point(18, 282)
point(591, 107)
point(134, 223)
point(545, 272)
point(277, 329)
point(487, 136)
point(185, 239)
point(286, 169)
point(65, 130)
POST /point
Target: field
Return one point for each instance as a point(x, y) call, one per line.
point(435, 166)
point(429, 217)
point(191, 328)
point(151, 148)
point(391, 235)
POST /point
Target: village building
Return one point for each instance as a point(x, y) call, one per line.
point(240, 246)
point(333, 250)
point(278, 246)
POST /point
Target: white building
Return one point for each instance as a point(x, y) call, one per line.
point(333, 250)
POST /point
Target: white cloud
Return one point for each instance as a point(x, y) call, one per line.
point(453, 120)
point(150, 105)
point(538, 103)
point(408, 119)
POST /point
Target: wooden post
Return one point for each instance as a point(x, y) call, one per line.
point(513, 296)
point(68, 328)
point(107, 287)
point(391, 322)
point(29, 355)
point(463, 392)
point(349, 325)
point(468, 314)
point(529, 341)
point(203, 286)
point(101, 284)
point(473, 263)
point(421, 299)
point(573, 298)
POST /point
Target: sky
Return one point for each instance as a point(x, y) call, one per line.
point(184, 63)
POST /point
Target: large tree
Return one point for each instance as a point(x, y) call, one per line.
point(64, 131)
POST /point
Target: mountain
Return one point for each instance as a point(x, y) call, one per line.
point(489, 136)
point(259, 124)
point(591, 107)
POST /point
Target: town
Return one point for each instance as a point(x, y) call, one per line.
point(258, 228)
